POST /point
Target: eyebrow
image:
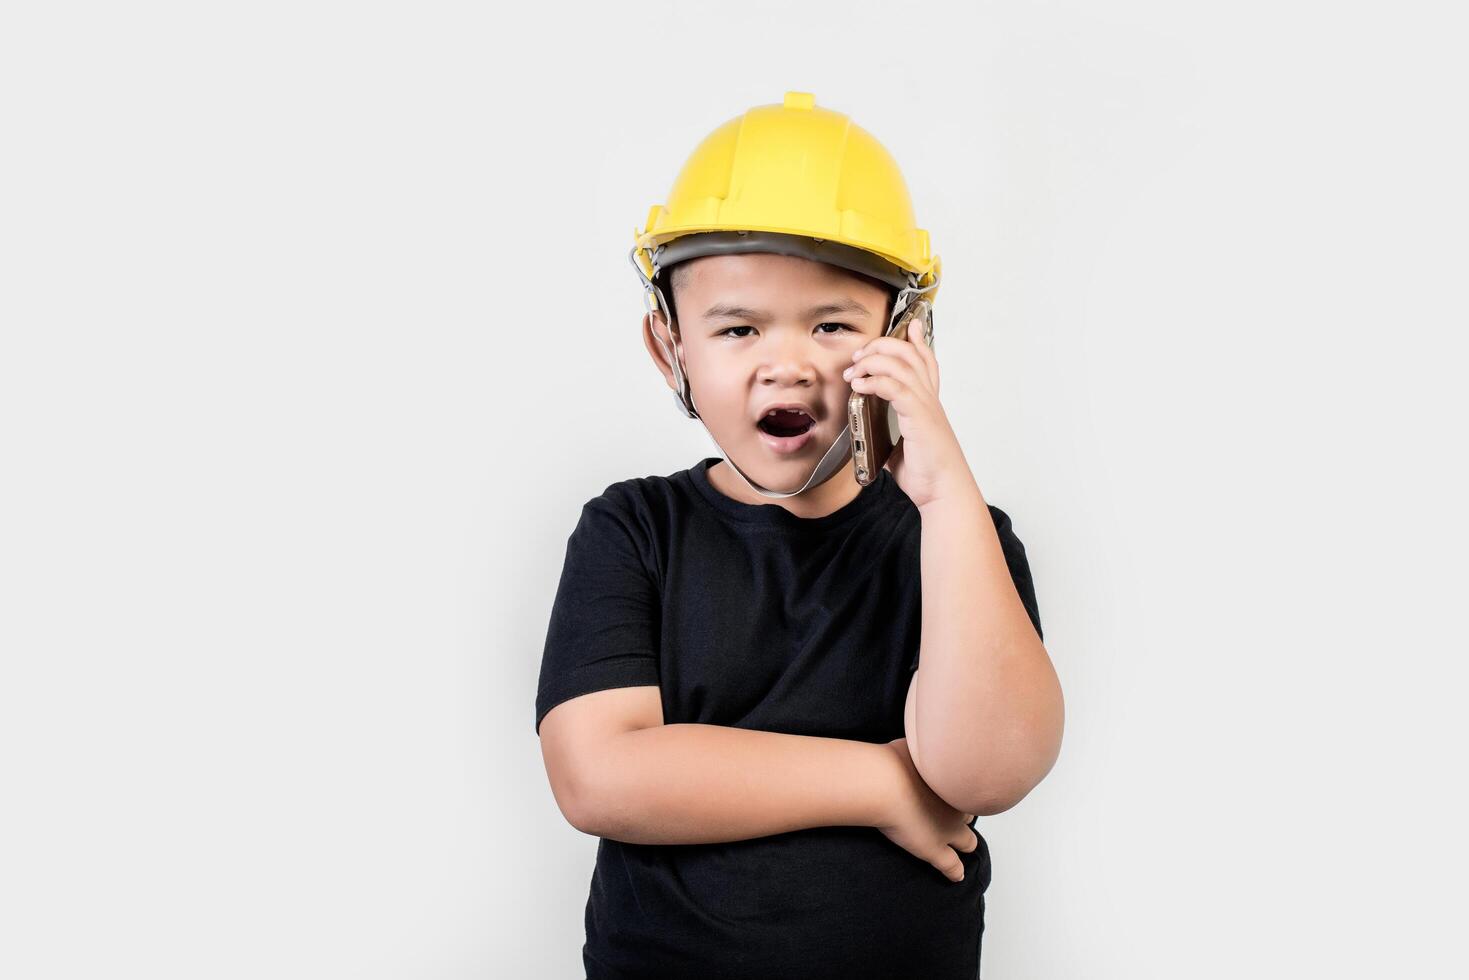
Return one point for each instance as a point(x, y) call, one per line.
point(721, 311)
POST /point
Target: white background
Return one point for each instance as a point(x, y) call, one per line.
point(319, 328)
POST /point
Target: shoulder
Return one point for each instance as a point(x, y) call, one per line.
point(1019, 564)
point(639, 499)
point(639, 514)
point(1003, 524)
point(1009, 538)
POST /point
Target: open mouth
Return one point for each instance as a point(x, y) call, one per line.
point(786, 432)
point(785, 424)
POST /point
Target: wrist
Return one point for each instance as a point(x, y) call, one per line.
point(959, 492)
point(890, 782)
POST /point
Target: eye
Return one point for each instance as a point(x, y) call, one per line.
point(830, 333)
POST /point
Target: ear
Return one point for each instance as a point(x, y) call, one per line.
point(655, 329)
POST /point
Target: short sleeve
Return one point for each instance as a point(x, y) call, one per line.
point(604, 623)
point(1019, 571)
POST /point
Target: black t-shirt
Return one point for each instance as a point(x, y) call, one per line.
point(747, 616)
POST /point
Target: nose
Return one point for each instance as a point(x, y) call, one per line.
point(789, 360)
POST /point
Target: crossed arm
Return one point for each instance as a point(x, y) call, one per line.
point(982, 720)
point(699, 784)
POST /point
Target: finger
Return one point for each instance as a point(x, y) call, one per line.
point(969, 839)
point(886, 388)
point(950, 864)
point(893, 347)
point(925, 352)
point(896, 367)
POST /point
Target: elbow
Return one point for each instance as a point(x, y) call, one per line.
point(584, 781)
point(962, 791)
point(577, 797)
point(983, 800)
point(605, 805)
point(1017, 784)
point(998, 802)
point(571, 802)
point(583, 820)
point(587, 808)
point(985, 793)
point(569, 799)
point(1035, 751)
point(1007, 794)
point(1002, 770)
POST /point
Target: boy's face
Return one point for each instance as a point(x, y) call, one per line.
point(760, 329)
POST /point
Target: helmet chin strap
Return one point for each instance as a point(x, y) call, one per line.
point(835, 457)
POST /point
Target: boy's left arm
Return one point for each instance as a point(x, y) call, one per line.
point(985, 711)
point(984, 714)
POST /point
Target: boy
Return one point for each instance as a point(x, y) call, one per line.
point(730, 694)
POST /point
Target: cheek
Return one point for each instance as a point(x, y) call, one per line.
point(716, 383)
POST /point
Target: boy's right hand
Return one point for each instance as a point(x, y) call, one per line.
point(918, 820)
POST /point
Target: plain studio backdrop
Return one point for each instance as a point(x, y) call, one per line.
point(319, 329)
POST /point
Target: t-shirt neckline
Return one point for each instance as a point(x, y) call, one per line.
point(774, 515)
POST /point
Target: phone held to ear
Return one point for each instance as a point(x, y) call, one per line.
point(875, 432)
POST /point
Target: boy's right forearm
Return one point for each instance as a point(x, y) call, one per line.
point(699, 784)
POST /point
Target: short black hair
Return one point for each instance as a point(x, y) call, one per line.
point(671, 278)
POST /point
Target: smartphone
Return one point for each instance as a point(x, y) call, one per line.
point(874, 421)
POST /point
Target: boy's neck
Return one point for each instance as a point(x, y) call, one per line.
point(839, 490)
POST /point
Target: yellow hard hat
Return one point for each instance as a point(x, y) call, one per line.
point(792, 179)
point(797, 169)
point(814, 182)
